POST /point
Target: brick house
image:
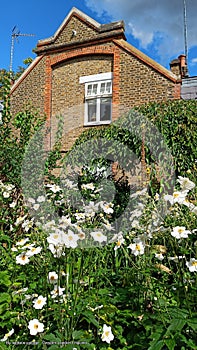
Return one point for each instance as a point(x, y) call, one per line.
point(88, 73)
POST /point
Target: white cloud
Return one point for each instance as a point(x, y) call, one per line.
point(194, 61)
point(152, 22)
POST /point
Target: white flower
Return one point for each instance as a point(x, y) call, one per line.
point(14, 249)
point(9, 187)
point(192, 265)
point(55, 238)
point(41, 199)
point(35, 326)
point(135, 224)
point(36, 206)
point(50, 225)
point(7, 335)
point(159, 256)
point(180, 232)
point(22, 241)
point(54, 188)
point(80, 216)
point(57, 291)
point(107, 207)
point(20, 219)
point(118, 238)
point(139, 193)
point(176, 258)
point(70, 239)
point(176, 197)
point(98, 236)
point(64, 221)
point(39, 302)
point(6, 194)
point(107, 225)
point(22, 259)
point(31, 200)
point(69, 184)
point(185, 183)
point(33, 250)
point(27, 224)
point(137, 248)
point(89, 186)
point(23, 290)
point(135, 213)
point(57, 250)
point(107, 334)
point(13, 204)
point(52, 277)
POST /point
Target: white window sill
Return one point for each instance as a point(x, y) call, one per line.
point(98, 123)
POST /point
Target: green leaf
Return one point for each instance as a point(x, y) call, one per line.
point(176, 325)
point(170, 343)
point(5, 297)
point(192, 323)
point(52, 338)
point(157, 345)
point(4, 279)
point(88, 316)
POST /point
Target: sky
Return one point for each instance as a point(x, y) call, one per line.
point(156, 27)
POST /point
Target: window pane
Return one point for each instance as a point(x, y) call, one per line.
point(94, 89)
point(108, 87)
point(89, 89)
point(105, 109)
point(91, 107)
point(102, 88)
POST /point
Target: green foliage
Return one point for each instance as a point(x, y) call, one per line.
point(177, 122)
point(149, 303)
point(14, 137)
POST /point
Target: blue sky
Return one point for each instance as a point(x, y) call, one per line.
point(155, 27)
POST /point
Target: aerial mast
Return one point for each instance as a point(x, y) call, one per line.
point(185, 33)
point(15, 35)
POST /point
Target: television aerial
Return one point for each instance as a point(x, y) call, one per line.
point(15, 35)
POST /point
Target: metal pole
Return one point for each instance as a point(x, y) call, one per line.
point(12, 52)
point(185, 31)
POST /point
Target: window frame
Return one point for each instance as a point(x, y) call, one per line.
point(97, 79)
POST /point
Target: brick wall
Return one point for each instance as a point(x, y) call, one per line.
point(83, 32)
point(31, 90)
point(140, 83)
point(68, 95)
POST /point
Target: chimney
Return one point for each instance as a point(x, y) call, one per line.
point(179, 67)
point(183, 66)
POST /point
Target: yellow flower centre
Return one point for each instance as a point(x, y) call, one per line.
point(118, 243)
point(39, 301)
point(194, 263)
point(107, 333)
point(138, 247)
point(70, 238)
point(175, 195)
point(35, 326)
point(23, 257)
point(180, 230)
point(55, 236)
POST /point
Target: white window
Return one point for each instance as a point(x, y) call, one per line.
point(98, 98)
